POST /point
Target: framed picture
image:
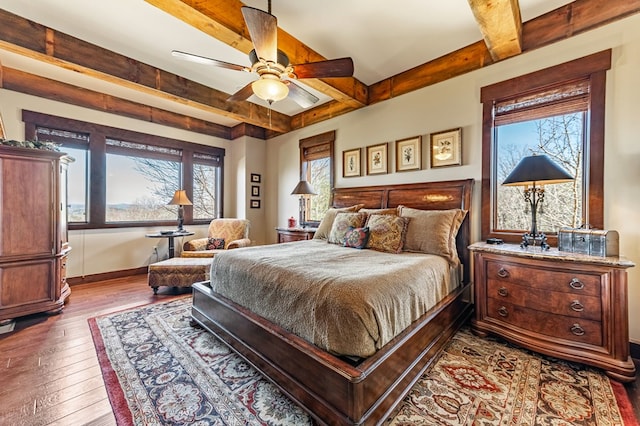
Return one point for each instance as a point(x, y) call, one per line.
point(409, 154)
point(255, 204)
point(255, 178)
point(255, 191)
point(377, 159)
point(351, 163)
point(446, 148)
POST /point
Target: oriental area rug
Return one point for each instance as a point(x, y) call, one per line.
point(158, 369)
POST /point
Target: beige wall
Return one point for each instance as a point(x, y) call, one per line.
point(450, 104)
point(456, 103)
point(106, 250)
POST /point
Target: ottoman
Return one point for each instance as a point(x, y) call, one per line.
point(178, 272)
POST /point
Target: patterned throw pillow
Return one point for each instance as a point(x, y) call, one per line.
point(322, 233)
point(387, 232)
point(356, 237)
point(215, 244)
point(341, 225)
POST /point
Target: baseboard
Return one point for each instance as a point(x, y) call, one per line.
point(107, 276)
point(635, 350)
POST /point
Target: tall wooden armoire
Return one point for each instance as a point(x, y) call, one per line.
point(33, 231)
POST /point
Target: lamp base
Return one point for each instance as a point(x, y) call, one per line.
point(538, 239)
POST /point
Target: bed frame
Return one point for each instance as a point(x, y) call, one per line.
point(332, 389)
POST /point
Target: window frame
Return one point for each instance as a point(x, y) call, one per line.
point(592, 67)
point(96, 185)
point(309, 147)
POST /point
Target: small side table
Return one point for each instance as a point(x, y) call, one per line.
point(286, 235)
point(170, 236)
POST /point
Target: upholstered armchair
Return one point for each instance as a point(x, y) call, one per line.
point(223, 234)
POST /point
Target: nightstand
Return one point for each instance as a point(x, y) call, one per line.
point(286, 235)
point(567, 305)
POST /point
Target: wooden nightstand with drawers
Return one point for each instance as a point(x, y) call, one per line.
point(566, 305)
point(286, 235)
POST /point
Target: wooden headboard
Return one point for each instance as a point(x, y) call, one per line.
point(453, 194)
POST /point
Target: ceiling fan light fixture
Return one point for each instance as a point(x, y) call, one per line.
point(270, 88)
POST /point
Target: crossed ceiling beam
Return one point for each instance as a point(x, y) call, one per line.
point(504, 35)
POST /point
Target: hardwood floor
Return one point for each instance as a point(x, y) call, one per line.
point(49, 372)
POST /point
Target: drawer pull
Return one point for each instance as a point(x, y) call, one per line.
point(502, 311)
point(576, 284)
point(577, 306)
point(577, 330)
point(503, 273)
point(503, 292)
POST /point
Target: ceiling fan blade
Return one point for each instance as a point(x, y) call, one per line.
point(342, 67)
point(242, 94)
point(300, 96)
point(263, 29)
point(208, 61)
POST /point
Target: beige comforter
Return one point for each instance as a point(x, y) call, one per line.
point(344, 300)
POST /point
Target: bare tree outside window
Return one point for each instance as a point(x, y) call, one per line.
point(205, 184)
point(320, 181)
point(561, 138)
point(138, 189)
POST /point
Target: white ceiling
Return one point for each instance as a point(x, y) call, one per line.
point(383, 38)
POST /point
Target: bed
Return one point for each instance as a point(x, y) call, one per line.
point(351, 390)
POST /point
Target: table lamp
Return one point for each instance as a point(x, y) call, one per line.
point(303, 189)
point(180, 199)
point(532, 170)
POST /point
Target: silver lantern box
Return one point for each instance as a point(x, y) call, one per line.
point(595, 242)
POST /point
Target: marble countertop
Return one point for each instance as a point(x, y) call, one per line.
point(535, 252)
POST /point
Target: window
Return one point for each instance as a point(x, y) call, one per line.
point(316, 167)
point(124, 178)
point(140, 180)
point(559, 112)
point(207, 187)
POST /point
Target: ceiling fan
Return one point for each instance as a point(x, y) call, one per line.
point(272, 65)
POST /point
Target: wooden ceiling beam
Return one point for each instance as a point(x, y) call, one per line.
point(38, 42)
point(559, 24)
point(574, 18)
point(223, 20)
point(501, 26)
point(23, 82)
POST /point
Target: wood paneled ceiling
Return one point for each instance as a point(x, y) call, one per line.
point(57, 49)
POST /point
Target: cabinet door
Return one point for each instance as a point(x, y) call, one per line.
point(27, 216)
point(26, 283)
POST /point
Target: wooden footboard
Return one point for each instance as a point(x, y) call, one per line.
point(331, 389)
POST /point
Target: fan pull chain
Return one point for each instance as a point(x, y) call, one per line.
point(269, 114)
point(269, 6)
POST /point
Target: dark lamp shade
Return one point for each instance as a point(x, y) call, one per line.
point(180, 199)
point(534, 169)
point(303, 188)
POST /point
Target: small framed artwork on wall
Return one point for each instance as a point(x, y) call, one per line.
point(377, 159)
point(255, 178)
point(255, 204)
point(351, 163)
point(446, 148)
point(409, 154)
point(255, 191)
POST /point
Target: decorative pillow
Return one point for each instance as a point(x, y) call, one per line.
point(356, 237)
point(387, 232)
point(341, 225)
point(215, 243)
point(433, 231)
point(322, 233)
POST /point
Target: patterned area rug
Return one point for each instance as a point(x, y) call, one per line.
point(160, 370)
